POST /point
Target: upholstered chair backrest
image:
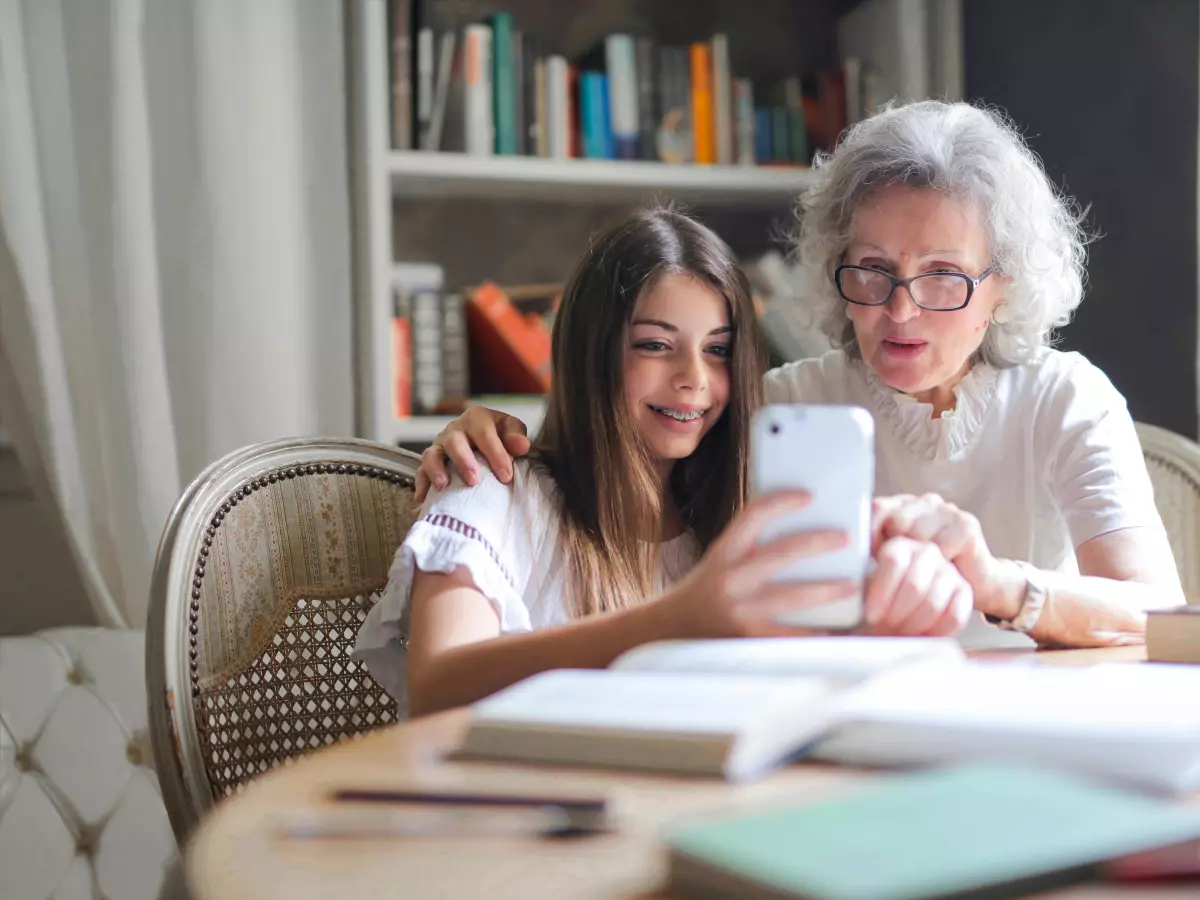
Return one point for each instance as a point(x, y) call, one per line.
point(267, 566)
point(1174, 465)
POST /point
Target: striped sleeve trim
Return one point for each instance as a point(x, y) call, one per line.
point(458, 526)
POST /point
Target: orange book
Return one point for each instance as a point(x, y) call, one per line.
point(703, 138)
point(509, 353)
point(401, 367)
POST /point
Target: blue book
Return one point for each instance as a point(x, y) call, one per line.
point(762, 135)
point(985, 830)
point(592, 113)
point(610, 141)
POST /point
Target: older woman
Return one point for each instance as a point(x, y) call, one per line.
point(948, 260)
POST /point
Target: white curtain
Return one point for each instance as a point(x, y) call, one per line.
point(174, 254)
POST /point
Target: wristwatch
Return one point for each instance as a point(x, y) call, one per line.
point(1032, 604)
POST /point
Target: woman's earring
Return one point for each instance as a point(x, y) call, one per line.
point(999, 316)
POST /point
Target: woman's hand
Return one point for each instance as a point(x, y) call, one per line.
point(915, 591)
point(960, 539)
point(497, 436)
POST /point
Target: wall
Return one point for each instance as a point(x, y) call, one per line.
point(1107, 93)
point(40, 587)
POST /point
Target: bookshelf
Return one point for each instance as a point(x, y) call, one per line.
point(383, 180)
point(422, 174)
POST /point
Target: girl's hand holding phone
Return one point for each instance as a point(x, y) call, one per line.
point(731, 591)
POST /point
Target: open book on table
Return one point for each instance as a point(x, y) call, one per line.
point(736, 709)
point(730, 708)
point(1131, 723)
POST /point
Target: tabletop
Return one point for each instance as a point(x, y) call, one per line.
point(244, 850)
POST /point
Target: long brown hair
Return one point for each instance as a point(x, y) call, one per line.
point(611, 495)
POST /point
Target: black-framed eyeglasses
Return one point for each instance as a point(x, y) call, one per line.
point(937, 291)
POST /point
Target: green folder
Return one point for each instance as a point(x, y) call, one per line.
point(967, 831)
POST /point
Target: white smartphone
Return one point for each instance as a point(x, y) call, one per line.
point(828, 451)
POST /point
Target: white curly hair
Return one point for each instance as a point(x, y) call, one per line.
point(1036, 234)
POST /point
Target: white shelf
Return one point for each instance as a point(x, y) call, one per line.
point(423, 429)
point(425, 174)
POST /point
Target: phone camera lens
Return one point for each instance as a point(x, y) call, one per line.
point(774, 428)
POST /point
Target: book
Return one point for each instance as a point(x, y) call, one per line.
point(401, 74)
point(722, 100)
point(503, 85)
point(703, 128)
point(1173, 635)
point(1126, 723)
point(478, 121)
point(967, 831)
point(727, 708)
point(508, 352)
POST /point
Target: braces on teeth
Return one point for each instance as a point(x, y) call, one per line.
point(678, 416)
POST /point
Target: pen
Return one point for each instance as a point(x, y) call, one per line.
point(596, 804)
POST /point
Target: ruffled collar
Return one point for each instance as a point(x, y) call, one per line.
point(913, 423)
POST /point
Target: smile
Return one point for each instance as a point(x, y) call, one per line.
point(678, 415)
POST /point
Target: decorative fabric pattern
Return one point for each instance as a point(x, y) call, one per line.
point(296, 560)
point(318, 537)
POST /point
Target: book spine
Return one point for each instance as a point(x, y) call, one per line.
point(608, 140)
point(764, 150)
point(401, 357)
point(456, 382)
point(520, 120)
point(722, 101)
point(540, 87)
point(530, 56)
point(674, 137)
point(647, 105)
point(503, 88)
point(574, 128)
point(743, 92)
point(780, 129)
point(402, 106)
point(441, 93)
point(852, 69)
point(558, 107)
point(622, 88)
point(477, 105)
point(703, 151)
point(591, 114)
point(793, 99)
point(426, 350)
point(425, 70)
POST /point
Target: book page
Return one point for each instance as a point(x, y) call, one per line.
point(645, 701)
point(847, 658)
point(1107, 699)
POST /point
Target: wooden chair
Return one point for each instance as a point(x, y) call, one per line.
point(267, 566)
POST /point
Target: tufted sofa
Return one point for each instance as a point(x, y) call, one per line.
point(81, 814)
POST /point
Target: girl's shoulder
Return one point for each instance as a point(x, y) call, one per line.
point(529, 498)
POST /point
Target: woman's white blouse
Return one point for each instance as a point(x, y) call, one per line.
point(507, 537)
point(1044, 454)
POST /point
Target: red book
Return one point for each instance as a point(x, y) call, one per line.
point(509, 353)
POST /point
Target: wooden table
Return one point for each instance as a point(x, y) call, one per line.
point(239, 854)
